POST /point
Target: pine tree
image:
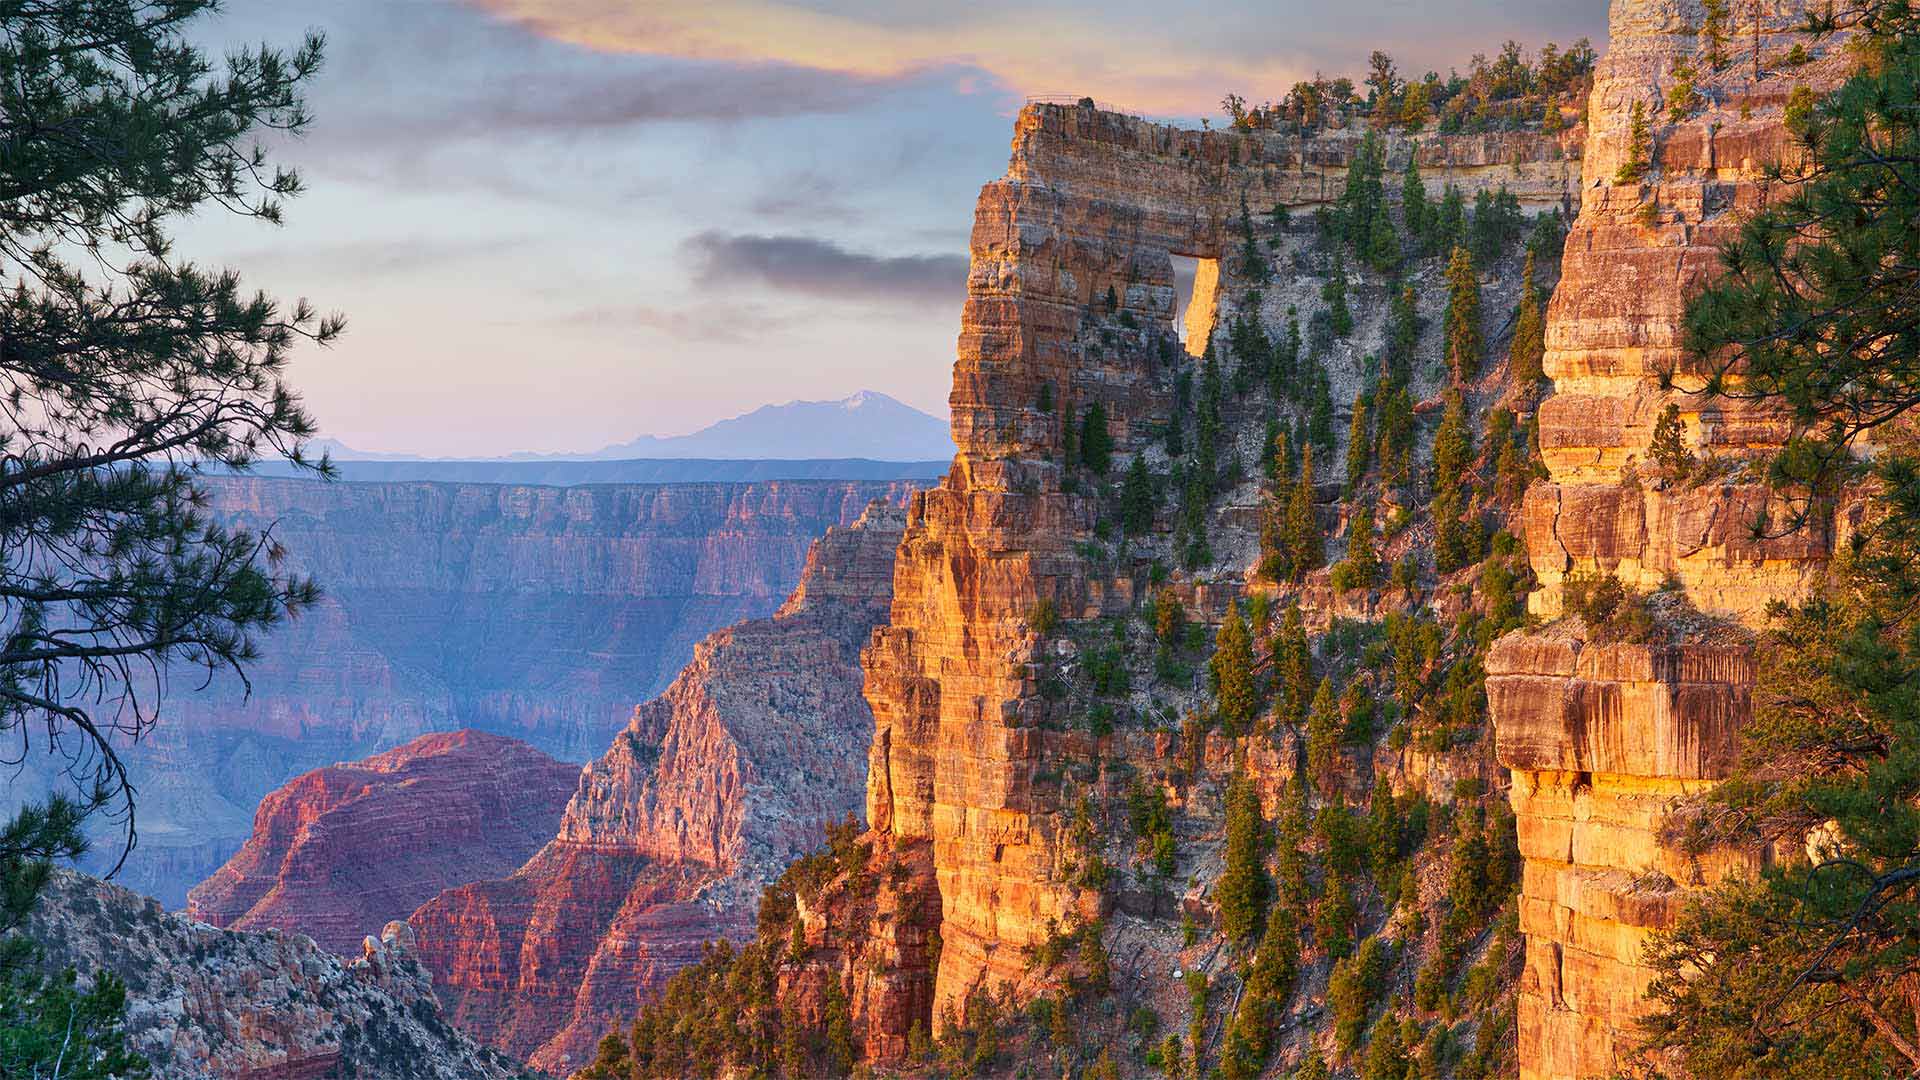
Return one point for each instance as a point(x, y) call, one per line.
point(1713, 33)
point(1383, 832)
point(1403, 338)
point(130, 373)
point(1453, 445)
point(1449, 222)
point(1286, 360)
point(1136, 498)
point(1464, 344)
point(1323, 738)
point(1361, 568)
point(1320, 410)
point(1669, 448)
point(1243, 889)
point(1306, 547)
point(1334, 292)
point(1459, 537)
point(1232, 669)
point(1526, 355)
point(1413, 204)
point(1359, 444)
point(1397, 430)
point(1293, 666)
point(1096, 445)
point(1639, 150)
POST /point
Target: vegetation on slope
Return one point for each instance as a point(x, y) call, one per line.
point(124, 370)
point(1811, 970)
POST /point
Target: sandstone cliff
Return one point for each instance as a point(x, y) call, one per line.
point(1603, 738)
point(1091, 201)
point(534, 612)
point(209, 1004)
point(343, 850)
point(713, 787)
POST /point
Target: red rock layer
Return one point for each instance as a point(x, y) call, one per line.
point(713, 788)
point(1602, 740)
point(541, 613)
point(343, 850)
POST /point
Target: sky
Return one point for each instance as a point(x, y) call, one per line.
point(554, 225)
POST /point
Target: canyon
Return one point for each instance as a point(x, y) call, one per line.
point(343, 850)
point(540, 613)
point(996, 778)
point(671, 834)
point(1009, 671)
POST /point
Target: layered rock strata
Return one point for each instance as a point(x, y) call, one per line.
point(712, 789)
point(343, 850)
point(1092, 209)
point(211, 1004)
point(540, 613)
point(1604, 739)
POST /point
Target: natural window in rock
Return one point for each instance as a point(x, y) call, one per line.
point(1196, 284)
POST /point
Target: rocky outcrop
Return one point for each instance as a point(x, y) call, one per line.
point(343, 850)
point(1615, 326)
point(710, 791)
point(1093, 206)
point(540, 613)
point(1602, 740)
point(210, 1004)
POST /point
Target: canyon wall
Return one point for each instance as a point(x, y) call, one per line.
point(541, 613)
point(1094, 204)
point(210, 1004)
point(341, 851)
point(1602, 739)
point(712, 789)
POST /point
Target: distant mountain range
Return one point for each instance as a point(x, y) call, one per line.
point(866, 425)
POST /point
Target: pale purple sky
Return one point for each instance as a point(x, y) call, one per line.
point(559, 224)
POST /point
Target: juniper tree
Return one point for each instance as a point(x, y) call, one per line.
point(127, 372)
